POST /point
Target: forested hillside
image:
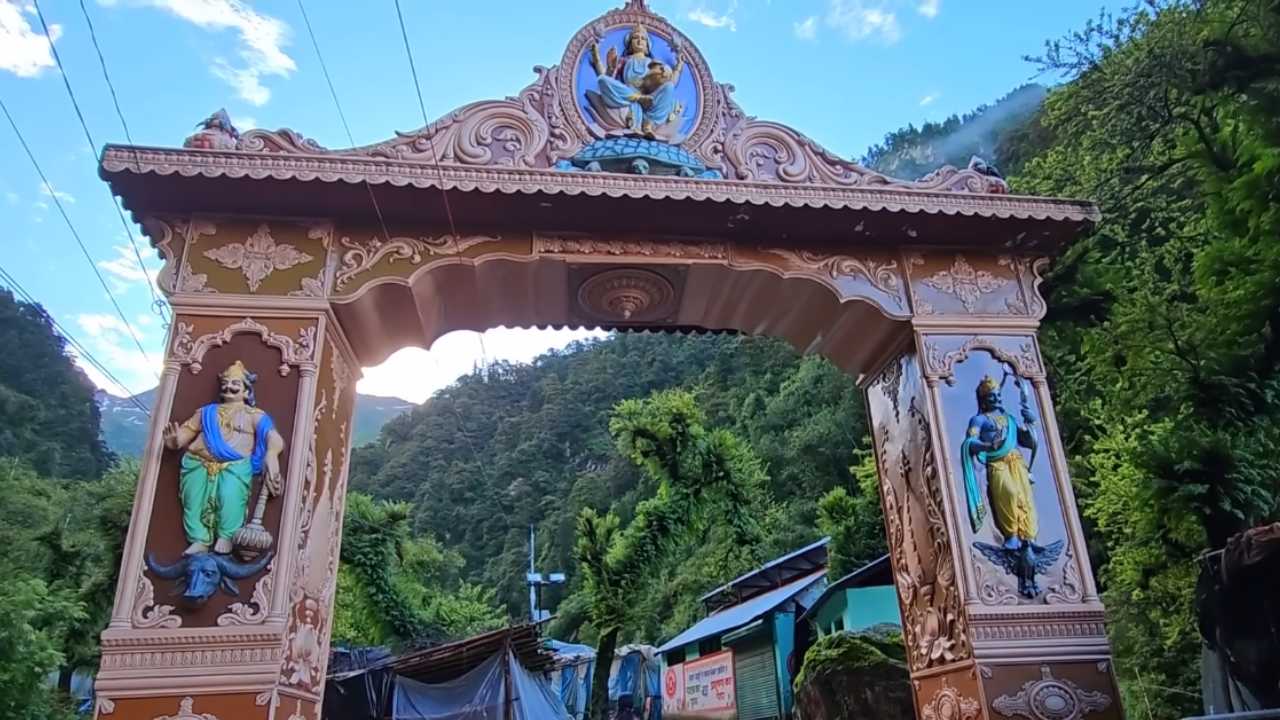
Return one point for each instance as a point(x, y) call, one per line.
point(514, 445)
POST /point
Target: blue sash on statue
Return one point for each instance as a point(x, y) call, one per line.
point(972, 495)
point(221, 450)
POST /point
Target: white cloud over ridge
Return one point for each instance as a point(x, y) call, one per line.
point(24, 51)
point(262, 41)
point(929, 8)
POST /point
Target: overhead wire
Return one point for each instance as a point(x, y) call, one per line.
point(341, 115)
point(157, 304)
point(80, 349)
point(57, 202)
point(431, 148)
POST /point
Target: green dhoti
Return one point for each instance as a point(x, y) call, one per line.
point(215, 497)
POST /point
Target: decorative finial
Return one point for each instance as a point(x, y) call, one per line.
point(636, 5)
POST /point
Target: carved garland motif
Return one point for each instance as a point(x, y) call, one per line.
point(149, 614)
point(937, 365)
point(966, 283)
point(359, 258)
point(551, 244)
point(188, 350)
point(1051, 699)
point(949, 704)
point(258, 256)
point(882, 275)
point(186, 711)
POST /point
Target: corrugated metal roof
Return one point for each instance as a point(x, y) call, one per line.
point(773, 574)
point(876, 572)
point(739, 615)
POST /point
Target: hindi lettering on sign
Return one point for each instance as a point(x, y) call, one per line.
point(701, 688)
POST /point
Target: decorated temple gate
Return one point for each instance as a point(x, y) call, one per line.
point(623, 189)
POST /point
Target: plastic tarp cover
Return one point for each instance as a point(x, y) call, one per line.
point(534, 698)
point(627, 682)
point(481, 694)
point(478, 695)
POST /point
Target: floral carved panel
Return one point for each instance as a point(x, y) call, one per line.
point(366, 260)
point(966, 284)
point(256, 257)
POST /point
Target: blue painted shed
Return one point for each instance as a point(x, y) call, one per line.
point(749, 638)
point(857, 601)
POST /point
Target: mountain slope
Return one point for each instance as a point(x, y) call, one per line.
point(124, 424)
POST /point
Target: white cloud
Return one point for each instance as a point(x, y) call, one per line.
point(414, 374)
point(928, 100)
point(262, 40)
point(123, 271)
point(929, 8)
point(24, 51)
point(704, 16)
point(108, 339)
point(244, 122)
point(807, 29)
point(11, 198)
point(863, 19)
point(48, 190)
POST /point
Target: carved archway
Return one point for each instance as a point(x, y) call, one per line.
point(275, 255)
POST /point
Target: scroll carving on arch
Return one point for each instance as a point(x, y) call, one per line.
point(871, 275)
point(358, 258)
point(147, 613)
point(189, 350)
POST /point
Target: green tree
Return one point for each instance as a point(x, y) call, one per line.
point(36, 622)
point(854, 522)
point(698, 476)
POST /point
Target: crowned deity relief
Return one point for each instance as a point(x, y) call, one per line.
point(993, 441)
point(636, 92)
point(225, 445)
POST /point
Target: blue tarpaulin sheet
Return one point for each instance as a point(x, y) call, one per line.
point(481, 694)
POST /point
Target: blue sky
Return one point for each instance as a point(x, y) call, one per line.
point(845, 72)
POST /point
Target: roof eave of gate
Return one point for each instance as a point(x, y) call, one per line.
point(153, 180)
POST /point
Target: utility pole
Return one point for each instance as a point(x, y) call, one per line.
point(536, 582)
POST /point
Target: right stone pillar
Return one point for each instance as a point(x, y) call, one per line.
point(1001, 616)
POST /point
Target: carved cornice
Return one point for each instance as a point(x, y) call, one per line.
point(995, 626)
point(881, 274)
point(1050, 698)
point(189, 350)
point(941, 366)
point(192, 638)
point(497, 179)
point(200, 658)
point(589, 245)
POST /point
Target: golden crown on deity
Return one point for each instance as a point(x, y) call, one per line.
point(988, 386)
point(237, 371)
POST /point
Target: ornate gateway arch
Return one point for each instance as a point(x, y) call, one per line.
point(623, 189)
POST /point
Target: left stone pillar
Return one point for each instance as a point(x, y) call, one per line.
point(257, 647)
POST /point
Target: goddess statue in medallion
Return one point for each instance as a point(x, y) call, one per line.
point(226, 444)
point(636, 92)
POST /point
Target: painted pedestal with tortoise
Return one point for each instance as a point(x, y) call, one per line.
point(290, 266)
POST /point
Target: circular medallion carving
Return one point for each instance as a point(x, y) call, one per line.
point(627, 295)
point(684, 104)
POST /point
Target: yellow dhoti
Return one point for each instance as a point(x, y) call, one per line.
point(1013, 507)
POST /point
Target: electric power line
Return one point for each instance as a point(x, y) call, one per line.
point(67, 219)
point(80, 349)
point(341, 115)
point(156, 303)
point(426, 121)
